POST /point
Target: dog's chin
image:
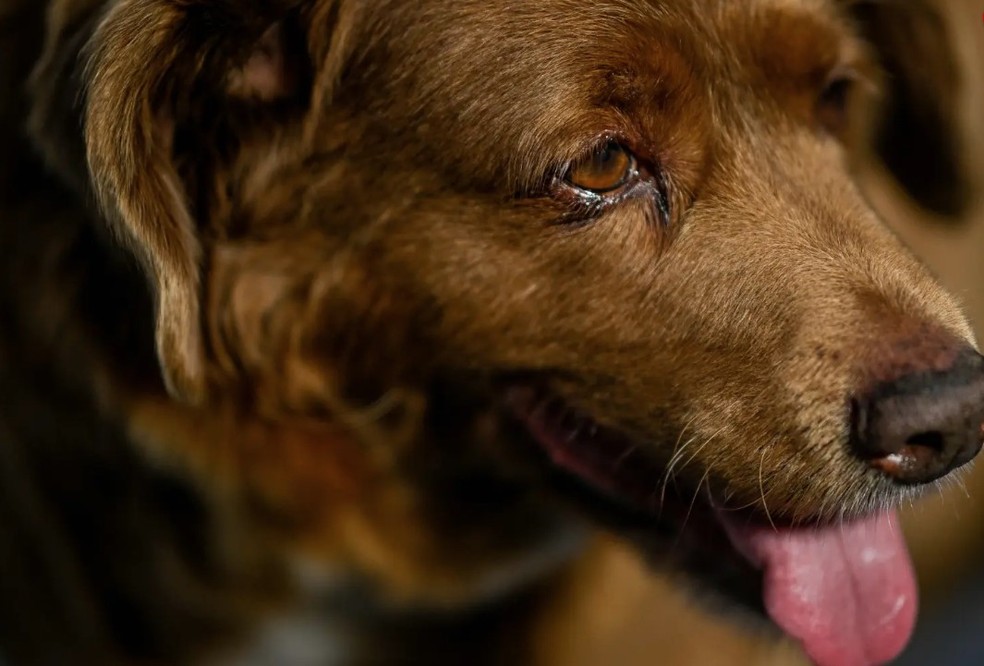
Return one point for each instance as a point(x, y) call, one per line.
point(846, 591)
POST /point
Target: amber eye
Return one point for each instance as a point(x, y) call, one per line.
point(605, 170)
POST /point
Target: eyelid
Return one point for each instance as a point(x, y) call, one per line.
point(860, 77)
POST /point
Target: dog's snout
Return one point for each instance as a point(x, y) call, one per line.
point(923, 425)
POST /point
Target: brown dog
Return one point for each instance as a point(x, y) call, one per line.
point(429, 284)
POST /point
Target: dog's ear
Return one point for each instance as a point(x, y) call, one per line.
point(155, 68)
point(918, 128)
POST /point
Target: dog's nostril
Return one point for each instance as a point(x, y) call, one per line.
point(932, 440)
point(921, 426)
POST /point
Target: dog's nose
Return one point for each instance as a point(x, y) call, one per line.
point(923, 425)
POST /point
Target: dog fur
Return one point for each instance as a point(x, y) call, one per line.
point(268, 265)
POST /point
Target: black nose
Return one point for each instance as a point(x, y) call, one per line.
point(923, 425)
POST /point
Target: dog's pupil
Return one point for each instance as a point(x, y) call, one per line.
point(604, 159)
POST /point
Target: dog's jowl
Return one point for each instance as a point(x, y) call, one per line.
point(385, 307)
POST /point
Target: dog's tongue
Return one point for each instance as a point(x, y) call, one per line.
point(847, 593)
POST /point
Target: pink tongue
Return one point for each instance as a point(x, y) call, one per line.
point(847, 593)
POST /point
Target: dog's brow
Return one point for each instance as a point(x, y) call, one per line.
point(791, 42)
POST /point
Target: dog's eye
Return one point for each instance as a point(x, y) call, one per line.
point(834, 102)
point(605, 170)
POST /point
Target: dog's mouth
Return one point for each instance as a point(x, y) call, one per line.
point(845, 591)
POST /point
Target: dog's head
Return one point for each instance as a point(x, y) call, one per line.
point(613, 250)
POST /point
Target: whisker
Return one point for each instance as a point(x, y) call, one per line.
point(617, 465)
point(739, 508)
point(765, 504)
point(671, 472)
point(678, 451)
point(693, 500)
point(670, 469)
point(677, 448)
point(690, 509)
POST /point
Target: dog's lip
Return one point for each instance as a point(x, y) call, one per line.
point(626, 489)
point(845, 591)
point(610, 461)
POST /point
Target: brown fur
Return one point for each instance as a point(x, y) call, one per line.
point(347, 220)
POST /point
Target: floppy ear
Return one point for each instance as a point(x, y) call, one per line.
point(154, 68)
point(918, 130)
